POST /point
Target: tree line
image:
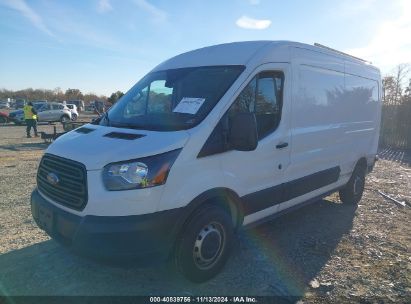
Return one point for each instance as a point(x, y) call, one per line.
point(58, 95)
point(396, 110)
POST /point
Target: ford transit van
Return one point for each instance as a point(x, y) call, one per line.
point(207, 142)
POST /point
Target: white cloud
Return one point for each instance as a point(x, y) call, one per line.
point(390, 44)
point(254, 24)
point(104, 6)
point(22, 7)
point(157, 14)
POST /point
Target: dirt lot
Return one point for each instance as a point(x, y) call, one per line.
point(325, 252)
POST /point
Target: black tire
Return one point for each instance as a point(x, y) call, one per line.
point(353, 190)
point(64, 119)
point(211, 227)
point(3, 120)
point(74, 117)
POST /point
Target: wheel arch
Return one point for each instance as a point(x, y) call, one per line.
point(361, 163)
point(222, 197)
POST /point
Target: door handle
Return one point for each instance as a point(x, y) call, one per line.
point(282, 145)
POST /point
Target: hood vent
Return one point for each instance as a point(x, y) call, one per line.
point(127, 136)
point(84, 130)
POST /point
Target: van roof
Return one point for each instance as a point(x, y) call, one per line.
point(248, 53)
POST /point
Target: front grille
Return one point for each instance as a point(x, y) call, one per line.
point(71, 188)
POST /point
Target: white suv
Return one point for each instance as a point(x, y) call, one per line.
point(54, 111)
point(74, 112)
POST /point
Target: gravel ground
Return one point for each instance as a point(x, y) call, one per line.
point(325, 252)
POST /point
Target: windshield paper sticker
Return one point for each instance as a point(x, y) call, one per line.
point(189, 105)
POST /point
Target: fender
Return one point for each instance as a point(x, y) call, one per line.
point(224, 197)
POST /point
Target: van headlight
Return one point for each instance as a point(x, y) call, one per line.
point(139, 173)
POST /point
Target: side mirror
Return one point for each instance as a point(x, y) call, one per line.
point(243, 132)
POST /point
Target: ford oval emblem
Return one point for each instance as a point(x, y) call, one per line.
point(52, 178)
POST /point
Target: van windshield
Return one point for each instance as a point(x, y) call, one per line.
point(171, 100)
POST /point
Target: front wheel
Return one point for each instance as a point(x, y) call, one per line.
point(205, 243)
point(353, 190)
point(73, 117)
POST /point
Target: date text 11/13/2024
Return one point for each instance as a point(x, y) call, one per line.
point(203, 299)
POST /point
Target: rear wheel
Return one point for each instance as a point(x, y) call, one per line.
point(353, 190)
point(204, 246)
point(64, 119)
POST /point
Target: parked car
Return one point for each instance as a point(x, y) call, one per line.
point(73, 110)
point(99, 107)
point(78, 103)
point(17, 116)
point(89, 108)
point(4, 105)
point(54, 111)
point(4, 118)
point(20, 103)
point(208, 142)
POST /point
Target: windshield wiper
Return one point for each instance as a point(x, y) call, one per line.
point(127, 125)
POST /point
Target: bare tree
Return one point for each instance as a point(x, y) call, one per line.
point(401, 74)
point(394, 84)
point(407, 91)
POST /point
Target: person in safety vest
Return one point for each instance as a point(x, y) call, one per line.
point(30, 116)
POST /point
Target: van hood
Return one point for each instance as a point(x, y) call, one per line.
point(96, 146)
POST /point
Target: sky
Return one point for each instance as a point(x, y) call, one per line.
point(101, 46)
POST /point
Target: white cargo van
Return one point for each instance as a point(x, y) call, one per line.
point(209, 141)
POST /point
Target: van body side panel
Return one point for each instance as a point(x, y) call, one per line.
point(362, 108)
point(317, 126)
point(363, 82)
point(334, 118)
point(254, 217)
point(257, 201)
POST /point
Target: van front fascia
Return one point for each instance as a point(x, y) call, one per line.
point(146, 236)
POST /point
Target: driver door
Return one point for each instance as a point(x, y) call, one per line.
point(257, 176)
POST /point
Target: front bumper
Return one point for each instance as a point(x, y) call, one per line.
point(136, 236)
